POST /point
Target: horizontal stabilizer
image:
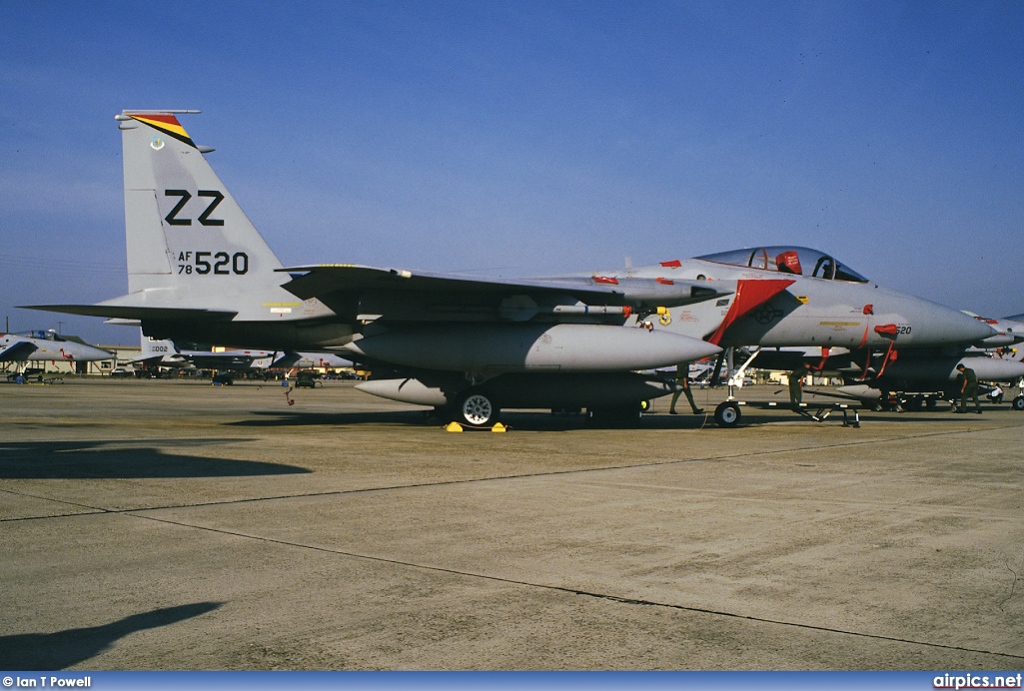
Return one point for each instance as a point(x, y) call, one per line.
point(18, 352)
point(129, 312)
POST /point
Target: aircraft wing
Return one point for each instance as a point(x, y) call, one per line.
point(399, 294)
point(225, 360)
point(18, 352)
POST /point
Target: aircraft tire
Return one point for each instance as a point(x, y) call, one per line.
point(727, 414)
point(476, 409)
point(1018, 403)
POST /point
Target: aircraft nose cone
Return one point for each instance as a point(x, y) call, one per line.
point(954, 327)
point(981, 330)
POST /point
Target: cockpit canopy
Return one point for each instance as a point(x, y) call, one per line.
point(787, 259)
point(49, 335)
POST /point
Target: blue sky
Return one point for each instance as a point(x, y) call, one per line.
point(528, 138)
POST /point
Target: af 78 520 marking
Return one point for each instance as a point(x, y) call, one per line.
point(223, 264)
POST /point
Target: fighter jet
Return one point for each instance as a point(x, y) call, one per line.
point(164, 353)
point(199, 271)
point(30, 346)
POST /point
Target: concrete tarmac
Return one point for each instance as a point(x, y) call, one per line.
point(177, 525)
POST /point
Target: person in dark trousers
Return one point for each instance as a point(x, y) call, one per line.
point(683, 380)
point(968, 388)
point(796, 384)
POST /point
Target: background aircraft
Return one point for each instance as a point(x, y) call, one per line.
point(1009, 331)
point(199, 271)
point(164, 353)
point(31, 346)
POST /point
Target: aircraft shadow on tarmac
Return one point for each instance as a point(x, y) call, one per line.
point(524, 421)
point(546, 422)
point(60, 650)
point(537, 421)
point(298, 419)
point(50, 460)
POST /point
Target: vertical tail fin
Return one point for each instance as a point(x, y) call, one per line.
point(155, 349)
point(185, 232)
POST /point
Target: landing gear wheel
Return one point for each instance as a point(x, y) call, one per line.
point(476, 409)
point(727, 414)
point(1018, 403)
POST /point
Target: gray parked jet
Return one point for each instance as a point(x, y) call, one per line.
point(29, 346)
point(164, 353)
point(199, 271)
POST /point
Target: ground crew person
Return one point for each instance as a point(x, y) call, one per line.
point(968, 388)
point(796, 384)
point(996, 394)
point(683, 380)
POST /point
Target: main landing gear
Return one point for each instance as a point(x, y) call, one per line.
point(476, 408)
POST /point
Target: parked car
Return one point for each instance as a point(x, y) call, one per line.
point(307, 379)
